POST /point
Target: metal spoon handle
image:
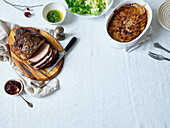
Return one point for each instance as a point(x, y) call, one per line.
point(157, 45)
point(29, 104)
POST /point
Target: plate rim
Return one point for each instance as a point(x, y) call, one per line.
point(88, 16)
point(158, 15)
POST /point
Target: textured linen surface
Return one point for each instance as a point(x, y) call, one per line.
point(101, 87)
point(32, 87)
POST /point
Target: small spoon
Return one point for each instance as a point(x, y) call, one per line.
point(157, 45)
point(29, 104)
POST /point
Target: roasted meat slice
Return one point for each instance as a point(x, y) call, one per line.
point(40, 54)
point(50, 61)
point(46, 58)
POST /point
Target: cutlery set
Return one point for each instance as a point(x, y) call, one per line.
point(157, 56)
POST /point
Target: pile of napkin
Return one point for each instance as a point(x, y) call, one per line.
point(31, 87)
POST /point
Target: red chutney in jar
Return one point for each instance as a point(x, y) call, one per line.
point(11, 87)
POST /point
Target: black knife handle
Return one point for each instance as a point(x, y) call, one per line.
point(70, 44)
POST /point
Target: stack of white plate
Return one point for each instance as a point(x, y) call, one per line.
point(164, 14)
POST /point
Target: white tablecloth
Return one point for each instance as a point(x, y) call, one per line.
point(100, 87)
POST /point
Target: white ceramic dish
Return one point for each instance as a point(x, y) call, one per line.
point(53, 6)
point(22, 86)
point(91, 16)
point(125, 45)
point(164, 15)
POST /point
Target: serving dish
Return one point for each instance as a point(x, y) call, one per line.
point(88, 16)
point(124, 45)
point(164, 15)
point(14, 80)
point(53, 6)
point(26, 67)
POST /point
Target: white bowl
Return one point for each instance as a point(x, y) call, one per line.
point(91, 16)
point(125, 45)
point(164, 15)
point(54, 6)
point(22, 86)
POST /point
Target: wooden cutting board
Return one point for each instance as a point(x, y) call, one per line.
point(30, 71)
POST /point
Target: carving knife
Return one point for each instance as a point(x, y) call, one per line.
point(63, 53)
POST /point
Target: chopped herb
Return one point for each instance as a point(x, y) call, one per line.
point(54, 16)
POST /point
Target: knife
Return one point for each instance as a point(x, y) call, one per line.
point(63, 53)
point(133, 47)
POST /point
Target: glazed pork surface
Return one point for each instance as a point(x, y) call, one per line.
point(26, 43)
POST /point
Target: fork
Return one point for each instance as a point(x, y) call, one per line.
point(157, 56)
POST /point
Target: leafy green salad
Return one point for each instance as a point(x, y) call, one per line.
point(92, 7)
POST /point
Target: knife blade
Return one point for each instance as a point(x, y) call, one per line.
point(63, 53)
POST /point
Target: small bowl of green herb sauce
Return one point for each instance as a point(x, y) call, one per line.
point(54, 13)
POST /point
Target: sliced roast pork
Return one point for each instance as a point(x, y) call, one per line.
point(30, 45)
point(40, 54)
point(48, 63)
point(46, 58)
